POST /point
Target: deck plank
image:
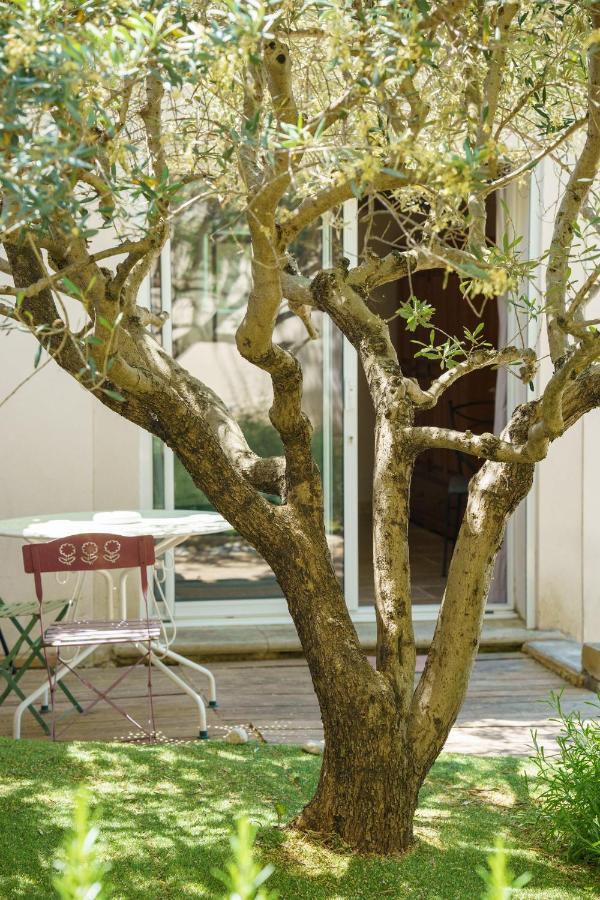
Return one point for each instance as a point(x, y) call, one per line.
point(275, 701)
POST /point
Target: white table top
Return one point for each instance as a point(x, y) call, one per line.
point(159, 523)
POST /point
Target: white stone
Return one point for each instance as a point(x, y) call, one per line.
point(237, 735)
point(314, 747)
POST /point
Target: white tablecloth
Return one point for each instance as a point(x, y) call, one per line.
point(159, 523)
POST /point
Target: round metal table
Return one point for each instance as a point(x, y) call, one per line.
point(169, 528)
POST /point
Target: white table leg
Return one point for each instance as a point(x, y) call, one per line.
point(43, 689)
point(161, 547)
point(184, 661)
point(203, 732)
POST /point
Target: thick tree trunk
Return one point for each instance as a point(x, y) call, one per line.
point(368, 789)
point(368, 792)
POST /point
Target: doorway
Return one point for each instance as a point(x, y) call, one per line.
point(440, 479)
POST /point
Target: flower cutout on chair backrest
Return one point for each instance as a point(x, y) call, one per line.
point(66, 554)
point(112, 551)
point(89, 552)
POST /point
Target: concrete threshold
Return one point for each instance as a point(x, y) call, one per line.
point(576, 663)
point(261, 641)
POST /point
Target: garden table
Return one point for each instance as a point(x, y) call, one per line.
point(169, 528)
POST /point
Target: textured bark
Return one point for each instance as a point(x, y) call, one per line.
point(494, 493)
point(368, 790)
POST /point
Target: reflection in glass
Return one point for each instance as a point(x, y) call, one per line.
point(210, 270)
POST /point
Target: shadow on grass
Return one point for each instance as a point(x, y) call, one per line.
point(166, 813)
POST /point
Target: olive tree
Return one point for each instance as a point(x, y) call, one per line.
point(114, 116)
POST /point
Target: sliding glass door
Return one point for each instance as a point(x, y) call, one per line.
point(203, 284)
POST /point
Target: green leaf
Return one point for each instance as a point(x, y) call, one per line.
point(114, 395)
point(71, 286)
point(395, 173)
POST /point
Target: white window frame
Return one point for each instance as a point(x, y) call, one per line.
point(268, 610)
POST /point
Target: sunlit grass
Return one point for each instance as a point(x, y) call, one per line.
point(166, 814)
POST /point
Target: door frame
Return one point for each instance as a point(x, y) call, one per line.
point(520, 578)
point(270, 610)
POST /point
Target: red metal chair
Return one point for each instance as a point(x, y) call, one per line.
point(88, 553)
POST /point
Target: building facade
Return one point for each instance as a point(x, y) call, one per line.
point(64, 452)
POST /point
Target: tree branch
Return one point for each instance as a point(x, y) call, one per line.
point(479, 359)
point(551, 420)
point(330, 197)
point(48, 281)
point(254, 336)
point(483, 446)
point(494, 493)
point(574, 196)
point(530, 164)
point(135, 269)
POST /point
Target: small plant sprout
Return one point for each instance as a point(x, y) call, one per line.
point(500, 883)
point(243, 877)
point(81, 868)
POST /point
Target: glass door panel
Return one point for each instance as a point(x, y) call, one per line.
point(209, 284)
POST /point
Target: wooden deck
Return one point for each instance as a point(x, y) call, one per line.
point(275, 701)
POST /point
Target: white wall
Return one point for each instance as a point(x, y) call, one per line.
point(566, 541)
point(62, 451)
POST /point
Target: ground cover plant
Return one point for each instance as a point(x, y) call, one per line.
point(567, 784)
point(276, 114)
point(166, 815)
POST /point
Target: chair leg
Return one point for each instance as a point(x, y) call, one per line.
point(53, 681)
point(152, 721)
point(3, 644)
point(36, 653)
point(40, 691)
point(70, 697)
point(13, 687)
point(203, 732)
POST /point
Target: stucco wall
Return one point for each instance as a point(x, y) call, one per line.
point(62, 451)
point(566, 539)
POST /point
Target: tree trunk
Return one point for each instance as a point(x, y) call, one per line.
point(368, 789)
point(368, 792)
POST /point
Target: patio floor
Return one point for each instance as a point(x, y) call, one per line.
point(275, 701)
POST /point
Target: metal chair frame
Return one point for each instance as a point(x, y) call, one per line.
point(117, 584)
point(13, 671)
point(82, 553)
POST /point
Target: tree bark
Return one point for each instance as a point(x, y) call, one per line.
point(368, 790)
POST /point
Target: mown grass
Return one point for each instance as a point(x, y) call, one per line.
point(166, 813)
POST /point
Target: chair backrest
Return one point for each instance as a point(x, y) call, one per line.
point(87, 553)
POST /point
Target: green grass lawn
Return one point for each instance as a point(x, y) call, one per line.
point(167, 811)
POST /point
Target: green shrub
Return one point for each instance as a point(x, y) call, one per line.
point(243, 876)
point(567, 784)
point(81, 869)
point(500, 883)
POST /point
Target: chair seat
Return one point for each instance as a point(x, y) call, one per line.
point(29, 608)
point(458, 484)
point(92, 632)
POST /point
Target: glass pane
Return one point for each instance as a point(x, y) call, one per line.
point(210, 262)
point(158, 469)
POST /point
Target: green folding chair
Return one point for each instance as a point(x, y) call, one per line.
point(28, 643)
